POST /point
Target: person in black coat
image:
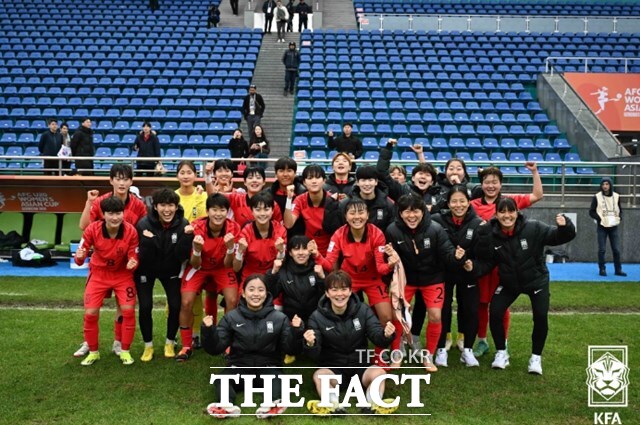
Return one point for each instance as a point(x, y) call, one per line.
point(82, 145)
point(462, 226)
point(268, 8)
point(303, 10)
point(517, 244)
point(238, 147)
point(340, 183)
point(253, 107)
point(337, 338)
point(148, 146)
point(257, 336)
point(291, 62)
point(49, 145)
point(165, 242)
point(213, 16)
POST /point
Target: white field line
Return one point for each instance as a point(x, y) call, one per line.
point(518, 313)
point(12, 294)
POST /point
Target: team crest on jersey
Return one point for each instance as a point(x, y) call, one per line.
point(356, 324)
point(174, 237)
point(498, 290)
point(331, 245)
point(427, 243)
point(379, 214)
point(524, 244)
point(143, 279)
point(312, 280)
point(269, 327)
point(469, 234)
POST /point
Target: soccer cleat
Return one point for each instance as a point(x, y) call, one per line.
point(184, 354)
point(501, 360)
point(289, 359)
point(91, 358)
point(312, 406)
point(196, 343)
point(447, 344)
point(468, 358)
point(223, 412)
point(125, 358)
point(442, 357)
point(82, 351)
point(460, 341)
point(535, 365)
point(116, 348)
point(170, 350)
point(482, 348)
point(379, 410)
point(147, 355)
point(428, 363)
point(265, 412)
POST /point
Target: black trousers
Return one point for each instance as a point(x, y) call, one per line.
point(268, 19)
point(234, 6)
point(501, 301)
point(468, 296)
point(282, 26)
point(290, 80)
point(258, 382)
point(302, 20)
point(144, 286)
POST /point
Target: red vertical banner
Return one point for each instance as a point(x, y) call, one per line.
point(614, 98)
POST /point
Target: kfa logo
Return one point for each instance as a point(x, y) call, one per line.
point(606, 418)
point(608, 376)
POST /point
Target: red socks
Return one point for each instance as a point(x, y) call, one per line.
point(186, 334)
point(91, 331)
point(395, 344)
point(433, 335)
point(483, 320)
point(128, 327)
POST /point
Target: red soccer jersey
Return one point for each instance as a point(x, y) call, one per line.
point(134, 209)
point(487, 211)
point(242, 211)
point(214, 249)
point(364, 260)
point(302, 206)
point(110, 254)
point(261, 252)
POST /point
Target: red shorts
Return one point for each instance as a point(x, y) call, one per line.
point(209, 280)
point(99, 285)
point(376, 291)
point(488, 284)
point(433, 295)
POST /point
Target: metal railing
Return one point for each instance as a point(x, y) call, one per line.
point(549, 66)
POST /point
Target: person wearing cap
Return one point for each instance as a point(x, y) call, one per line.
point(82, 145)
point(282, 17)
point(347, 142)
point(49, 145)
point(253, 107)
point(148, 146)
point(303, 9)
point(291, 61)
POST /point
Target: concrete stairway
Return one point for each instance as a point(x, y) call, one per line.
point(338, 14)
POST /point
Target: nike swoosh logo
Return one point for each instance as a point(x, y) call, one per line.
point(400, 242)
point(535, 292)
point(471, 286)
point(239, 325)
point(329, 328)
point(497, 247)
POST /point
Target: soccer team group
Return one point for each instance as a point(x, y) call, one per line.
point(318, 265)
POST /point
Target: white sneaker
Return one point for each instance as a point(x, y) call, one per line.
point(83, 350)
point(501, 360)
point(468, 358)
point(116, 348)
point(442, 357)
point(535, 364)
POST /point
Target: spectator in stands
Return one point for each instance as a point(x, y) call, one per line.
point(605, 210)
point(238, 147)
point(291, 8)
point(291, 61)
point(259, 145)
point(65, 149)
point(348, 142)
point(214, 16)
point(282, 17)
point(49, 145)
point(82, 145)
point(253, 107)
point(268, 8)
point(303, 9)
point(148, 146)
point(234, 6)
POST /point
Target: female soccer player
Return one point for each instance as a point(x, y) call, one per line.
point(425, 251)
point(115, 246)
point(485, 207)
point(165, 242)
point(359, 248)
point(516, 245)
point(209, 266)
point(461, 224)
point(299, 280)
point(340, 183)
point(337, 338)
point(258, 336)
point(310, 206)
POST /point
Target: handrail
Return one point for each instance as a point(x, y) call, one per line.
point(549, 68)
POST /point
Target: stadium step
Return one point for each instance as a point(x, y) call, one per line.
point(269, 79)
point(339, 14)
